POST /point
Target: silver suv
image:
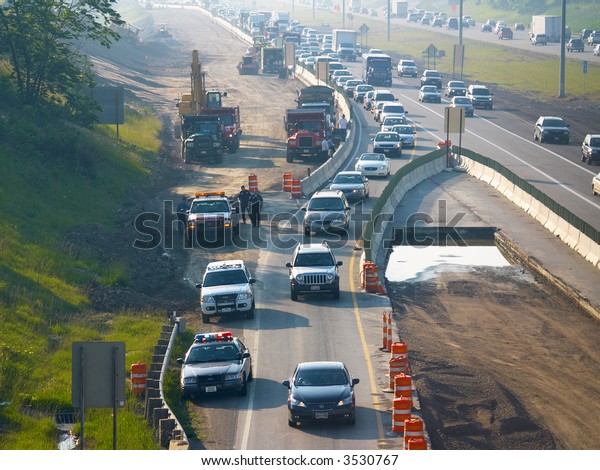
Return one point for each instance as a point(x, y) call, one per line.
point(327, 210)
point(226, 288)
point(314, 270)
point(480, 96)
point(407, 67)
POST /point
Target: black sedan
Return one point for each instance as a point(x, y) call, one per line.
point(321, 391)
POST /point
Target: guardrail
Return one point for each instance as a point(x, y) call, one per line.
point(571, 229)
point(168, 431)
point(382, 214)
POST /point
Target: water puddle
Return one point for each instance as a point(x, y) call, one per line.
point(420, 263)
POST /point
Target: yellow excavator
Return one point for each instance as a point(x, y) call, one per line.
point(192, 104)
point(207, 128)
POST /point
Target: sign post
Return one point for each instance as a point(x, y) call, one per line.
point(98, 379)
point(585, 68)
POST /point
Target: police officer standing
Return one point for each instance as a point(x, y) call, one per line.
point(243, 198)
point(182, 208)
point(255, 202)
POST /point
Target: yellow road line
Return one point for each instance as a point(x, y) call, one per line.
point(363, 342)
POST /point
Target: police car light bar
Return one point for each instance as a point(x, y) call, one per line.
point(212, 193)
point(213, 337)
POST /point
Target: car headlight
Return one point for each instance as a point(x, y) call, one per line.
point(330, 277)
point(245, 295)
point(345, 401)
point(207, 299)
point(189, 380)
point(295, 402)
point(237, 376)
point(300, 278)
point(382, 167)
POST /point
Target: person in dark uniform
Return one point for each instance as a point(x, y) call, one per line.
point(243, 198)
point(182, 208)
point(255, 202)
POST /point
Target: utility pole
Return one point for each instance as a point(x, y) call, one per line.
point(389, 15)
point(563, 24)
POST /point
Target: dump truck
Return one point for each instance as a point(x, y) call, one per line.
point(271, 59)
point(318, 97)
point(306, 130)
point(202, 103)
point(202, 138)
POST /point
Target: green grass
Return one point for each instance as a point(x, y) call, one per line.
point(56, 176)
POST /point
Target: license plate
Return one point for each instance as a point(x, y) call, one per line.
point(386, 150)
point(321, 415)
point(210, 389)
point(202, 152)
point(226, 309)
point(315, 287)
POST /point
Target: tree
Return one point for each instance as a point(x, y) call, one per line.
point(40, 39)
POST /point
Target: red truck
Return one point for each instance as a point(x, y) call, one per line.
point(232, 132)
point(306, 130)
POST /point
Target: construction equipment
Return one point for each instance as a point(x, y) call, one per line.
point(199, 104)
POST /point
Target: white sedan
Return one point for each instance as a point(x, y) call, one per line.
point(373, 164)
point(430, 93)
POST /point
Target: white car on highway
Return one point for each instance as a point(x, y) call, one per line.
point(373, 164)
point(407, 134)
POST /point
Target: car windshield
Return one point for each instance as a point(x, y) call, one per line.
point(313, 259)
point(223, 278)
point(398, 109)
point(348, 179)
point(456, 85)
point(392, 121)
point(408, 63)
point(326, 204)
point(208, 206)
point(430, 89)
point(385, 97)
point(352, 82)
point(363, 88)
point(481, 91)
point(320, 378)
point(595, 142)
point(373, 157)
point(387, 137)
point(462, 101)
point(553, 123)
point(403, 129)
point(212, 353)
point(431, 74)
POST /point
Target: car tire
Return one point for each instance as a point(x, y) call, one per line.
point(244, 390)
point(250, 375)
point(205, 318)
point(336, 294)
point(352, 420)
point(293, 295)
point(582, 157)
point(292, 424)
point(250, 313)
point(566, 141)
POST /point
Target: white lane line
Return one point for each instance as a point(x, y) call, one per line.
point(524, 162)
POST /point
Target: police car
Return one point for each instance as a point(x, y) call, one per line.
point(215, 362)
point(211, 217)
point(226, 288)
